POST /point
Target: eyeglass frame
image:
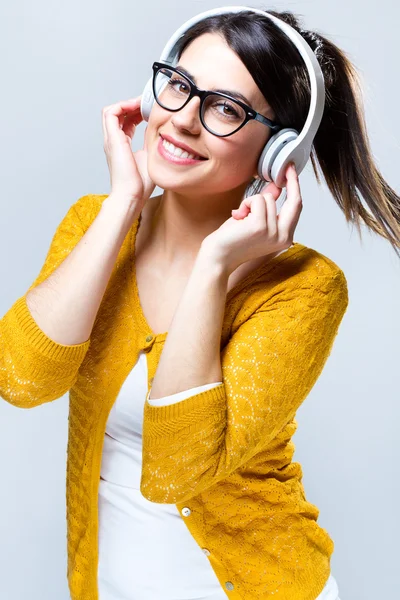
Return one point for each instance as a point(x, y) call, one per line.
point(251, 114)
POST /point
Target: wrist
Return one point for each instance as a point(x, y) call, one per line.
point(213, 262)
point(217, 257)
point(123, 205)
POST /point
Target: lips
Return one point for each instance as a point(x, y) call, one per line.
point(182, 146)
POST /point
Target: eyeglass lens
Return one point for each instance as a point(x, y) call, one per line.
point(221, 115)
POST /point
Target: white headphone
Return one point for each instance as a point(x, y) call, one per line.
point(287, 145)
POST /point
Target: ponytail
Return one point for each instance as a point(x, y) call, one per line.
point(342, 148)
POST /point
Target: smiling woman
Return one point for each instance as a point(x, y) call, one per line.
point(188, 333)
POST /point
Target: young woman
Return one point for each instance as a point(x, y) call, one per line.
point(189, 327)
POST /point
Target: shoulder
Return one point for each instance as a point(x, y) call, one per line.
point(311, 263)
point(309, 269)
point(301, 272)
point(292, 283)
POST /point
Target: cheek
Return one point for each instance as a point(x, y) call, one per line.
point(241, 157)
point(252, 148)
point(157, 117)
point(223, 150)
point(234, 166)
point(248, 144)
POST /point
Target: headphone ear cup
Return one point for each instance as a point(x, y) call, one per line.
point(147, 101)
point(292, 152)
point(272, 149)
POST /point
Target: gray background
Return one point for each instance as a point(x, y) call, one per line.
point(60, 66)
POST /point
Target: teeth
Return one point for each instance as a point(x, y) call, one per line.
point(178, 151)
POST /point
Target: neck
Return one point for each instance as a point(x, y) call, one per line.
point(178, 224)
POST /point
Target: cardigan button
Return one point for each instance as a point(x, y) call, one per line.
point(186, 511)
point(229, 585)
point(149, 338)
point(206, 552)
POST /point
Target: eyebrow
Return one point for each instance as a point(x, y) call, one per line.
point(228, 92)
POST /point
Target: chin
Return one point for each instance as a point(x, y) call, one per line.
point(164, 178)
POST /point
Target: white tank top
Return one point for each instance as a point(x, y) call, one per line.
point(145, 548)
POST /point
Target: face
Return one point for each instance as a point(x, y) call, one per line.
point(231, 161)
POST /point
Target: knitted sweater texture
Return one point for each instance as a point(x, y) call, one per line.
point(222, 456)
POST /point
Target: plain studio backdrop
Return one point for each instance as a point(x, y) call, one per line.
point(61, 64)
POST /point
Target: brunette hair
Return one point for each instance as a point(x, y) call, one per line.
point(341, 146)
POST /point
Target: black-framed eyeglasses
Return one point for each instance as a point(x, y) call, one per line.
point(220, 114)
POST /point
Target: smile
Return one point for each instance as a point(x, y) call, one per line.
point(176, 155)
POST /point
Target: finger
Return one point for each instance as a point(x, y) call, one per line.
point(114, 122)
point(129, 125)
point(258, 209)
point(115, 115)
point(103, 123)
point(271, 188)
point(125, 109)
point(270, 205)
point(243, 208)
point(104, 110)
point(247, 206)
point(290, 212)
point(132, 111)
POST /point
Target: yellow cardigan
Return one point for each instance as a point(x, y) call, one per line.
point(222, 456)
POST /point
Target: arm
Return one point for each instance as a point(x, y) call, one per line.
point(191, 352)
point(45, 335)
point(269, 366)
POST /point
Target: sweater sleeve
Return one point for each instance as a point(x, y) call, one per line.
point(269, 366)
point(35, 369)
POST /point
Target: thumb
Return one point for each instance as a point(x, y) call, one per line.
point(243, 209)
point(244, 206)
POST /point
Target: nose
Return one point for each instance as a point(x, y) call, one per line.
point(188, 117)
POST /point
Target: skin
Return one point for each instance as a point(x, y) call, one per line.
point(198, 199)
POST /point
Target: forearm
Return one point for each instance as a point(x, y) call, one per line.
point(191, 352)
point(65, 305)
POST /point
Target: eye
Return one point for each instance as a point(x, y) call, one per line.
point(230, 108)
point(175, 83)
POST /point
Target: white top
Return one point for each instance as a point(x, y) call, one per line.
point(146, 551)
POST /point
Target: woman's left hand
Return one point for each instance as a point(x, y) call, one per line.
point(255, 229)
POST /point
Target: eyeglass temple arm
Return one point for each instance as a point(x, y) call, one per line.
point(271, 124)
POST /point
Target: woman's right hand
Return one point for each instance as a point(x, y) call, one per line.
point(128, 171)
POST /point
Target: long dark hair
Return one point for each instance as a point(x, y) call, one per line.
point(341, 146)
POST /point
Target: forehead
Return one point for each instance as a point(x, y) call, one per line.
point(215, 65)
